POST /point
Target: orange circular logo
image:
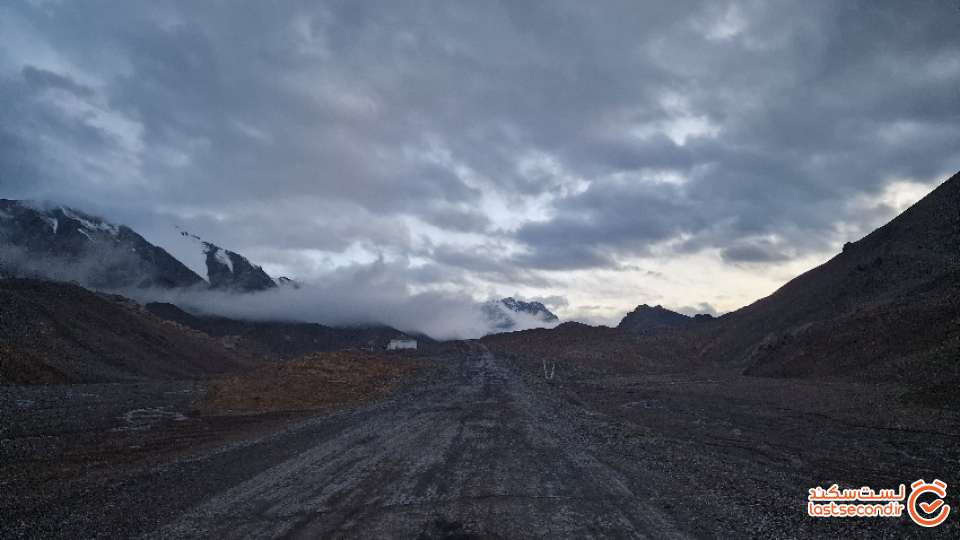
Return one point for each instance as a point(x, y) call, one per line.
point(936, 509)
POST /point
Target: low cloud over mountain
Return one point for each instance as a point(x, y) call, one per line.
point(65, 244)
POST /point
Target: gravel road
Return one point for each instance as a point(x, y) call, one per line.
point(473, 447)
point(471, 454)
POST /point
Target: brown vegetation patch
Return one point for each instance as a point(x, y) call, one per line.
point(317, 381)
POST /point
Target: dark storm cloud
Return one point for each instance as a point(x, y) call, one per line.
point(275, 129)
point(813, 108)
point(593, 225)
point(486, 261)
point(753, 252)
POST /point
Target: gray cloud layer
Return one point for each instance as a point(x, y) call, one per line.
point(488, 141)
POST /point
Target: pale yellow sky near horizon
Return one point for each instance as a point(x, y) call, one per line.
point(682, 282)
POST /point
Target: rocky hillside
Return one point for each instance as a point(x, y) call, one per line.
point(66, 244)
point(647, 320)
point(887, 305)
point(59, 333)
point(280, 339)
point(231, 271)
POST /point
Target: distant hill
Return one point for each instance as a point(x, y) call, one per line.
point(59, 333)
point(646, 319)
point(54, 332)
point(597, 349)
point(280, 339)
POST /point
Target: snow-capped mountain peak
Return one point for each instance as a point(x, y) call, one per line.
point(228, 270)
point(67, 244)
point(510, 314)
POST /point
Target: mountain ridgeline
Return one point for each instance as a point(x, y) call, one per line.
point(53, 330)
point(281, 340)
point(55, 327)
point(66, 244)
point(650, 320)
point(887, 308)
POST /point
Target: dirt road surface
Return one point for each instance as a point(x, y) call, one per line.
point(474, 453)
point(476, 446)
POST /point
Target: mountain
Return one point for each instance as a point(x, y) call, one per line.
point(887, 306)
point(230, 271)
point(62, 333)
point(503, 314)
point(66, 244)
point(69, 245)
point(647, 319)
point(284, 281)
point(280, 339)
point(535, 309)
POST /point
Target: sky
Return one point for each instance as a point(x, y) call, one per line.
point(591, 155)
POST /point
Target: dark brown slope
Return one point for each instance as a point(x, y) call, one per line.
point(280, 339)
point(599, 349)
point(57, 332)
point(650, 320)
point(887, 306)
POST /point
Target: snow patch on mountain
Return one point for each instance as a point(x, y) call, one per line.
point(229, 270)
point(90, 223)
point(221, 256)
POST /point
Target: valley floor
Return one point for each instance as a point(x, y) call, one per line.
point(477, 447)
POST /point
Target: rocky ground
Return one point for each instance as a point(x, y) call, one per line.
point(733, 456)
point(86, 457)
point(473, 446)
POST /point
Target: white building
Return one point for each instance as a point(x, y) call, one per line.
point(401, 343)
